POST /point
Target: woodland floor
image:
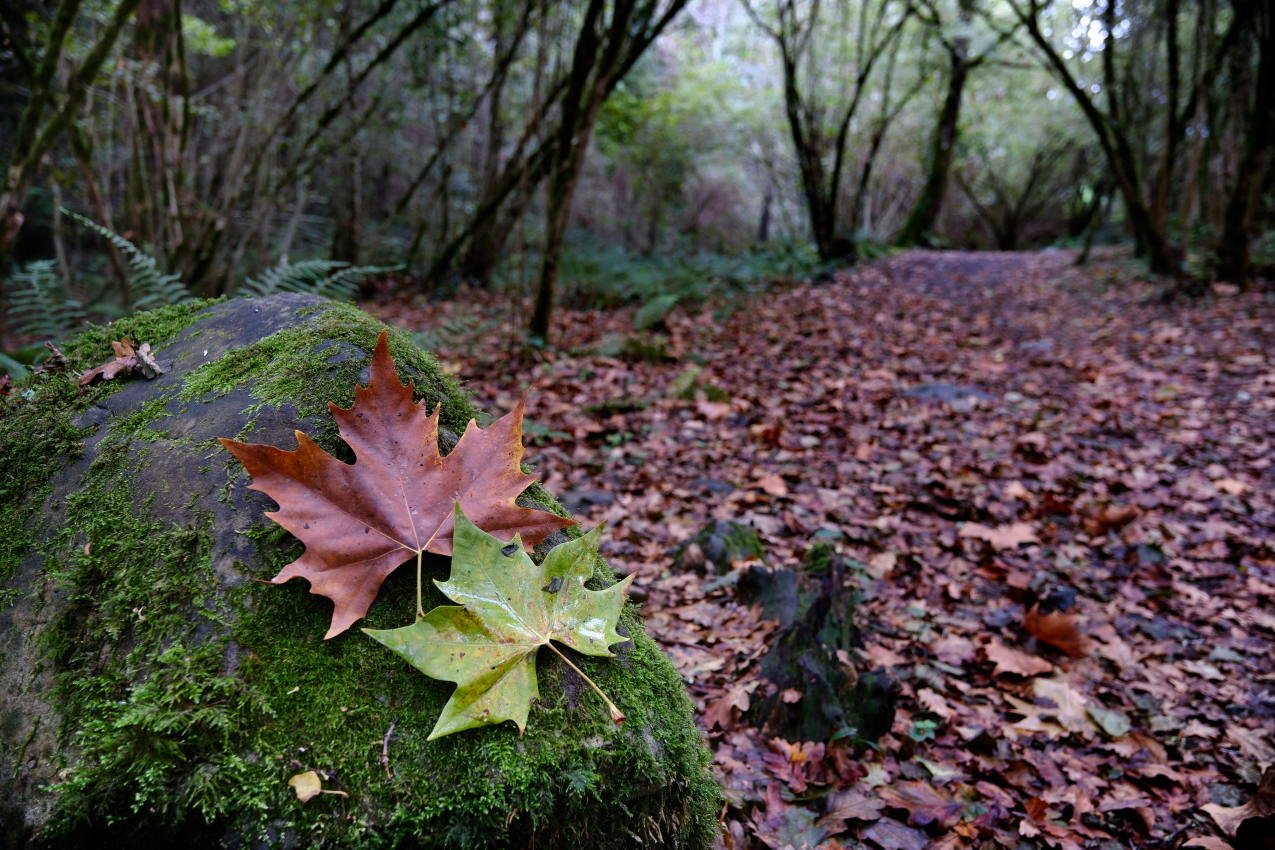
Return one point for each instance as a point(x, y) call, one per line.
point(1098, 448)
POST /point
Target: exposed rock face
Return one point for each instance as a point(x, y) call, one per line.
point(152, 689)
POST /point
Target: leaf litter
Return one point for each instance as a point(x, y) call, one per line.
point(1134, 520)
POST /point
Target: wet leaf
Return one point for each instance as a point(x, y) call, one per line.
point(487, 645)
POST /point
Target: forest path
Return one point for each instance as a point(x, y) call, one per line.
point(979, 433)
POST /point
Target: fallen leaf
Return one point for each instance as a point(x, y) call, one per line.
point(889, 834)
point(1231, 486)
point(1001, 537)
point(360, 521)
point(781, 826)
point(852, 805)
point(309, 785)
point(1114, 723)
point(925, 803)
point(127, 361)
point(773, 484)
point(510, 607)
point(1110, 518)
point(1258, 813)
point(1069, 705)
point(1058, 629)
point(1009, 660)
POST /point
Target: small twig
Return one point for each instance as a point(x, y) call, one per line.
point(385, 750)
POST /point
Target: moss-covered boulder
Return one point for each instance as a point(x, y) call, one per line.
point(154, 689)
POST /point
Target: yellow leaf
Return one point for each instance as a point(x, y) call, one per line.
point(306, 785)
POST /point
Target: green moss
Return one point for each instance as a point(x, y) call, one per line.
point(186, 702)
point(286, 368)
point(33, 430)
point(93, 346)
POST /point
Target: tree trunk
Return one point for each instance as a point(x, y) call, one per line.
point(1231, 254)
point(920, 222)
point(36, 135)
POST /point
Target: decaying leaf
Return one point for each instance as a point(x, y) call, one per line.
point(1110, 518)
point(127, 361)
point(1114, 723)
point(510, 607)
point(309, 785)
point(1258, 814)
point(360, 522)
point(1001, 537)
point(1059, 630)
point(1017, 662)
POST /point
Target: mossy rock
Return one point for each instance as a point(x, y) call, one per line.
point(154, 689)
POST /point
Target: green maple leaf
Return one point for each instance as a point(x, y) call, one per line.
point(510, 607)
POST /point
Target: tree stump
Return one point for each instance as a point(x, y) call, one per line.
point(154, 689)
point(813, 692)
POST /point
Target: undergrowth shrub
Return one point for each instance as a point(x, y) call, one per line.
point(593, 276)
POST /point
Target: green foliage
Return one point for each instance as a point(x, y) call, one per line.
point(510, 607)
point(138, 752)
point(327, 278)
point(201, 37)
point(39, 305)
point(613, 276)
point(149, 286)
point(454, 333)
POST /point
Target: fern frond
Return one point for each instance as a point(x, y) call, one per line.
point(327, 278)
point(451, 334)
point(150, 287)
point(37, 303)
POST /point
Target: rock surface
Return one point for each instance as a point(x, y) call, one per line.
point(153, 689)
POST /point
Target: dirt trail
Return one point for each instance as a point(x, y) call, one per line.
point(978, 433)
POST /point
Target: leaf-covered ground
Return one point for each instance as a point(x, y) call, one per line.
point(980, 433)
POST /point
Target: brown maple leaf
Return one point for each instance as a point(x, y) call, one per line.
point(361, 521)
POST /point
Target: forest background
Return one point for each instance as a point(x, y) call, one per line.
point(609, 152)
point(1043, 486)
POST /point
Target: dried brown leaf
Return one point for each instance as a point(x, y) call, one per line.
point(1059, 630)
point(1010, 660)
point(1001, 537)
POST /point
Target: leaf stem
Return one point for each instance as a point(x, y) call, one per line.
point(420, 611)
point(617, 716)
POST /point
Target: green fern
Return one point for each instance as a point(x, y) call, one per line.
point(327, 278)
point(37, 303)
point(150, 287)
point(453, 334)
